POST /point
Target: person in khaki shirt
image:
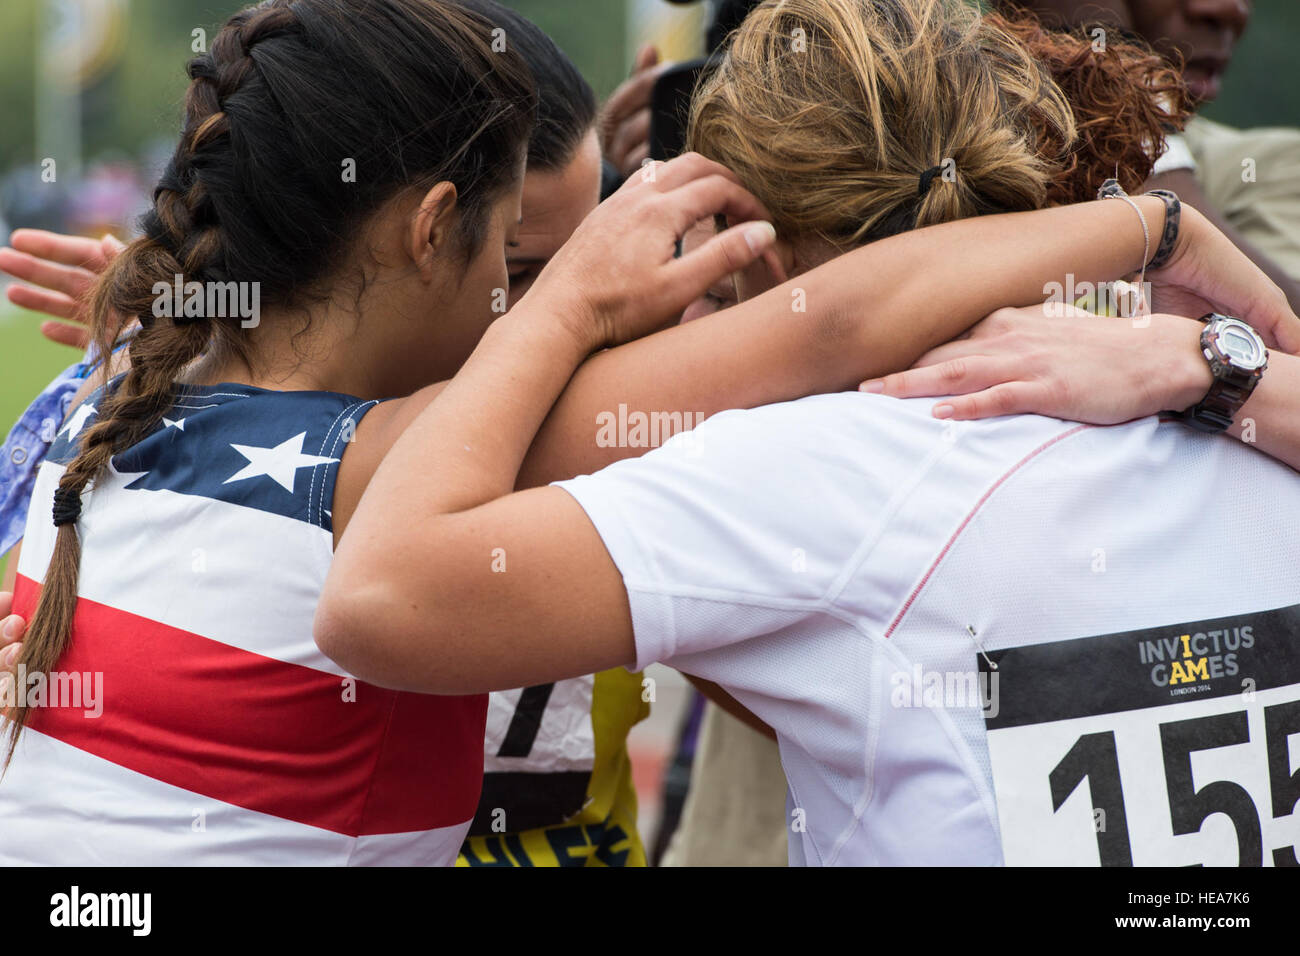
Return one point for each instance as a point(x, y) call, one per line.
point(1252, 176)
point(1204, 165)
point(735, 811)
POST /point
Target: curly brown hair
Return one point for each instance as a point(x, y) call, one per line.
point(1125, 98)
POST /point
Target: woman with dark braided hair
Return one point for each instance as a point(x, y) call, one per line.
point(568, 796)
point(256, 199)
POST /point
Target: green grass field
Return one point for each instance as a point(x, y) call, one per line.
point(28, 361)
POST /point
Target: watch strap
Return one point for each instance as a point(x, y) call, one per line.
point(1228, 393)
point(1218, 409)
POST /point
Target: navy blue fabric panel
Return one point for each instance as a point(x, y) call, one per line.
point(277, 452)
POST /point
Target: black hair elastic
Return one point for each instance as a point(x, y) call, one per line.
point(67, 506)
point(927, 178)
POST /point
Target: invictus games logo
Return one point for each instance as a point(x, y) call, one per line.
point(1183, 661)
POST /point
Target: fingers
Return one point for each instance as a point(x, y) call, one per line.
point(66, 250)
point(646, 57)
point(979, 386)
point(711, 196)
point(948, 376)
point(727, 252)
point(10, 650)
point(721, 192)
point(1009, 398)
point(1210, 266)
point(78, 336)
point(630, 141)
point(775, 266)
point(1277, 325)
point(626, 138)
point(665, 176)
point(957, 348)
point(110, 246)
point(40, 300)
point(625, 121)
point(10, 647)
point(70, 280)
point(637, 158)
point(1266, 308)
point(12, 630)
point(632, 95)
point(1266, 311)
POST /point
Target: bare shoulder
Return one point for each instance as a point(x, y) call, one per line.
point(376, 434)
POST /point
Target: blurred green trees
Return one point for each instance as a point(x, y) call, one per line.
point(139, 99)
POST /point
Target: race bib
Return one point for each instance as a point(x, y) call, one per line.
point(1170, 746)
point(539, 750)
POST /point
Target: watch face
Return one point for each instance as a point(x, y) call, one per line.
point(1240, 344)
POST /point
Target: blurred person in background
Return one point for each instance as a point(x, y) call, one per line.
point(1247, 181)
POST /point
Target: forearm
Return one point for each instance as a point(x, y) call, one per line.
point(1185, 184)
point(478, 427)
point(462, 450)
point(1270, 420)
point(869, 312)
point(1180, 376)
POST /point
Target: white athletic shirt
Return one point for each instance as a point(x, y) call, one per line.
point(1138, 587)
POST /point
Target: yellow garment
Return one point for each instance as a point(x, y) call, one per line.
point(571, 782)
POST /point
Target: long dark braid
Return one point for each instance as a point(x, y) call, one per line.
point(409, 90)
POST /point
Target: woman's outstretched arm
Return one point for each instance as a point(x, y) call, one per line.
point(412, 600)
point(877, 310)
